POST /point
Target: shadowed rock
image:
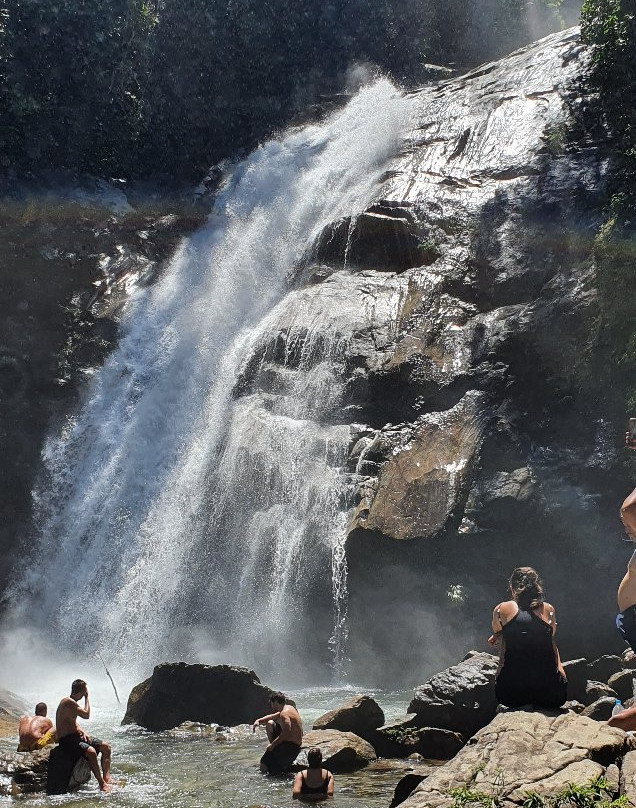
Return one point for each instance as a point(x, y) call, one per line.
point(32, 772)
point(601, 669)
point(460, 698)
point(601, 709)
point(598, 690)
point(177, 692)
point(623, 683)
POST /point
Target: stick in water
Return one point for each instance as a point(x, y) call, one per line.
point(109, 676)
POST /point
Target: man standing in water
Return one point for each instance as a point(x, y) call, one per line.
point(36, 731)
point(74, 741)
point(285, 734)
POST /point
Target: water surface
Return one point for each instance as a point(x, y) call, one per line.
point(203, 767)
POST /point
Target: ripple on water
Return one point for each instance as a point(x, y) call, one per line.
point(193, 769)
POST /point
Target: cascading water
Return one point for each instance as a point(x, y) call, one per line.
point(193, 504)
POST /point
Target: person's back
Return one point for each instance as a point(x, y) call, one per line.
point(35, 731)
point(530, 668)
point(314, 783)
point(66, 718)
point(295, 725)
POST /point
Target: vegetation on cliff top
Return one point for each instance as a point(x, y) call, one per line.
point(609, 26)
point(139, 87)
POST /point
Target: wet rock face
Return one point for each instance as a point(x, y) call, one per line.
point(178, 692)
point(460, 303)
point(23, 773)
point(68, 249)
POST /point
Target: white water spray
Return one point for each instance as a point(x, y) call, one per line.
point(179, 513)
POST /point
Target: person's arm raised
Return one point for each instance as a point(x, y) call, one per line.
point(86, 711)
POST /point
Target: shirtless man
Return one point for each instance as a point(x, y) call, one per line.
point(74, 741)
point(36, 731)
point(626, 617)
point(285, 734)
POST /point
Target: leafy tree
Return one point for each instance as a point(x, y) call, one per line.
point(609, 27)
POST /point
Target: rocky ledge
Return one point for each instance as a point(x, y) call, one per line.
point(522, 755)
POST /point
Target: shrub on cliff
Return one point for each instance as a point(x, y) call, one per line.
point(609, 27)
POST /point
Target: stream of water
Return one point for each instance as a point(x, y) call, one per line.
point(179, 517)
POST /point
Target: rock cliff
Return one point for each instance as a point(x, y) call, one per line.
point(455, 314)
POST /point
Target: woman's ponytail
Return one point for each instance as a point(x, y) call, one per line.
point(526, 588)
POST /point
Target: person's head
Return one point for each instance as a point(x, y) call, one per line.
point(40, 709)
point(526, 587)
point(78, 689)
point(314, 758)
point(277, 700)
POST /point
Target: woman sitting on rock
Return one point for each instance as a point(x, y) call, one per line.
point(315, 783)
point(530, 669)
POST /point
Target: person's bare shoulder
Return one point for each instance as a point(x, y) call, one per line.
point(67, 703)
point(506, 608)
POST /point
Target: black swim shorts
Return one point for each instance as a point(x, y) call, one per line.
point(75, 743)
point(626, 624)
point(279, 759)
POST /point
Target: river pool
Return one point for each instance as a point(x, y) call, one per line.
point(202, 768)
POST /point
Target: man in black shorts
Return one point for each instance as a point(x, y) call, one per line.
point(74, 741)
point(285, 734)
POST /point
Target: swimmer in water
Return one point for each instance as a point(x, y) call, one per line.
point(314, 783)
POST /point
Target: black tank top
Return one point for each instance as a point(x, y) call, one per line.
point(528, 641)
point(320, 789)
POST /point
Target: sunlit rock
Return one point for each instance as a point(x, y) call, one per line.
point(341, 751)
point(521, 752)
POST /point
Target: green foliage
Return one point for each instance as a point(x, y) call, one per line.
point(469, 795)
point(466, 796)
point(403, 735)
point(609, 27)
point(594, 795)
point(137, 87)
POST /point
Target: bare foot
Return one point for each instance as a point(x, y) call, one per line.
point(104, 786)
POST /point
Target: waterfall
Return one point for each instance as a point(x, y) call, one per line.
point(193, 505)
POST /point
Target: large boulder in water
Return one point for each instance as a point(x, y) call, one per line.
point(341, 751)
point(178, 692)
point(521, 752)
point(361, 715)
point(460, 698)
